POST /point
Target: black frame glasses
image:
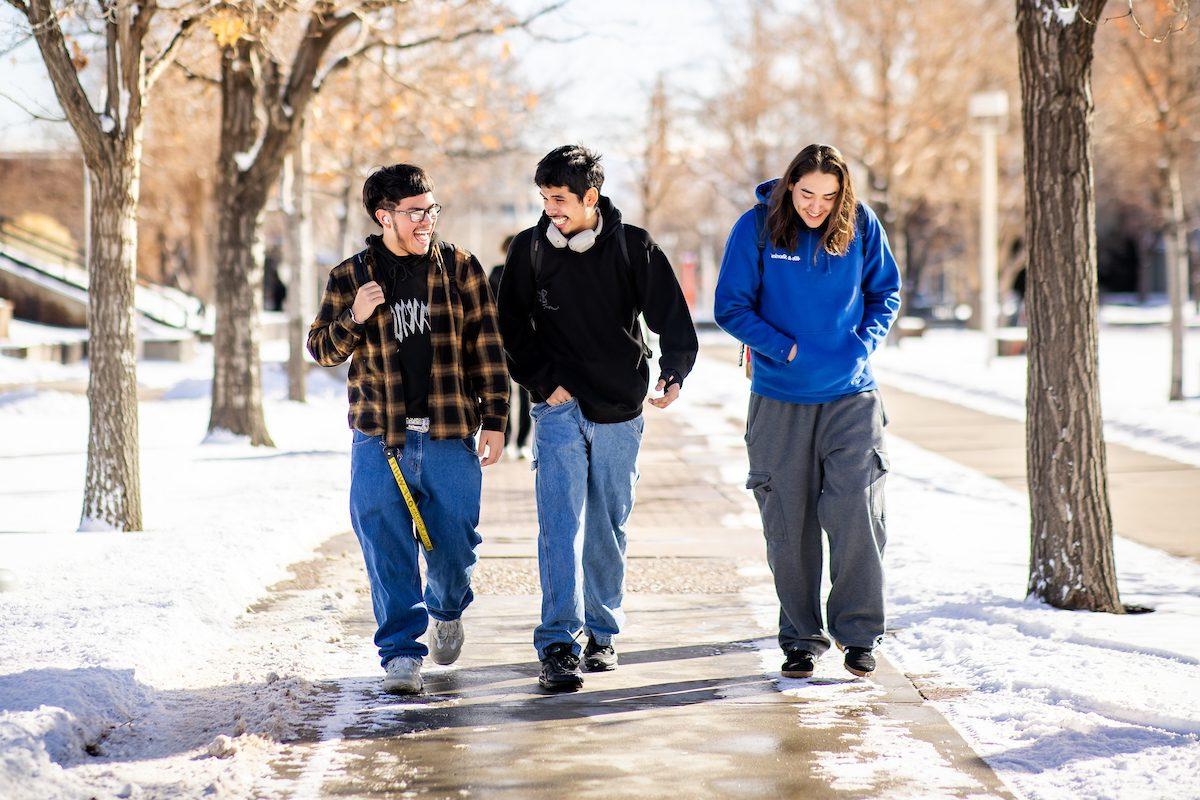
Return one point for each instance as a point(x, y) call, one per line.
point(417, 215)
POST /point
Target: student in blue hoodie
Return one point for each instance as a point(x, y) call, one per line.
point(809, 283)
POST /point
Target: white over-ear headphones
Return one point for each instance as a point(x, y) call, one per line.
point(579, 243)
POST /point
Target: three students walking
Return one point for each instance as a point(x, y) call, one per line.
point(807, 282)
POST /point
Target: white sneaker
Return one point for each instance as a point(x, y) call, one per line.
point(446, 641)
point(403, 676)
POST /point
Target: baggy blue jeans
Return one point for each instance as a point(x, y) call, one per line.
point(585, 478)
point(445, 479)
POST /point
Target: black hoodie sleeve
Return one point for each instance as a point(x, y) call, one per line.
point(527, 361)
point(666, 313)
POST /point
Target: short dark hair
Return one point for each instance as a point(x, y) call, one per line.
point(573, 166)
point(387, 186)
point(506, 245)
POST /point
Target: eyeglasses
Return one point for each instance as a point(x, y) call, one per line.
point(417, 214)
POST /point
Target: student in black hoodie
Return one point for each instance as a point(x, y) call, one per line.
point(573, 290)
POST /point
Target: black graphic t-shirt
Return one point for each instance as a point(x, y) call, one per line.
point(405, 281)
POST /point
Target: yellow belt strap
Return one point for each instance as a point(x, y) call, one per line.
point(421, 532)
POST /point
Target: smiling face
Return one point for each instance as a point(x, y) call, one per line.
point(567, 211)
point(814, 197)
point(403, 236)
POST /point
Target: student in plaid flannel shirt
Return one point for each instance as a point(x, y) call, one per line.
point(427, 371)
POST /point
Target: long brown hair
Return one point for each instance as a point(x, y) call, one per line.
point(783, 221)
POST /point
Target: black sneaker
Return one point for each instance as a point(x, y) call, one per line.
point(560, 669)
point(599, 657)
point(799, 664)
point(859, 661)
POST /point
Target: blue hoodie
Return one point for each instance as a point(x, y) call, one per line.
point(835, 309)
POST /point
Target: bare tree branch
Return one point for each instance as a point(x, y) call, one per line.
point(1181, 8)
point(65, 79)
point(1160, 103)
point(159, 63)
point(374, 44)
point(36, 115)
point(191, 75)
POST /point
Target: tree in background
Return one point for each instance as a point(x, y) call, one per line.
point(138, 41)
point(752, 114)
point(177, 215)
point(1163, 58)
point(894, 94)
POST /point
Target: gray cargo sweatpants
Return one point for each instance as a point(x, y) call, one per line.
point(815, 467)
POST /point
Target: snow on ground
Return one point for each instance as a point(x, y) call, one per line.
point(127, 654)
point(1060, 704)
point(1134, 382)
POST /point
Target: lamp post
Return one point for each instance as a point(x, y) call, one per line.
point(990, 112)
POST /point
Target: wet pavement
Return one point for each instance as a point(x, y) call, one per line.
point(697, 708)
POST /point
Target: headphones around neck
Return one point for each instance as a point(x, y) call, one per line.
point(580, 242)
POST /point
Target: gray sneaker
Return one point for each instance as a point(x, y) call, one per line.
point(446, 640)
point(403, 676)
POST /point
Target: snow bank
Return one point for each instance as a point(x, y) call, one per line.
point(126, 655)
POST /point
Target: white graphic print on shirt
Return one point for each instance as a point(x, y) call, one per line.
point(410, 317)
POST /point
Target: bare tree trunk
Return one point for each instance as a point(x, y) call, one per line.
point(237, 365)
point(1145, 270)
point(1176, 252)
point(112, 495)
point(1071, 560)
point(300, 280)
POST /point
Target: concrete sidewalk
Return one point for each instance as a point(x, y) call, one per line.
point(696, 709)
point(1155, 501)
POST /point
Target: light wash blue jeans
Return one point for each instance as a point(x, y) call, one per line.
point(585, 477)
point(445, 479)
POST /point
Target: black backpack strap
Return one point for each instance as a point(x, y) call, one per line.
point(450, 264)
point(361, 275)
point(760, 230)
point(623, 245)
point(535, 255)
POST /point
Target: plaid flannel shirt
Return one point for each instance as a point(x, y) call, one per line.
point(469, 379)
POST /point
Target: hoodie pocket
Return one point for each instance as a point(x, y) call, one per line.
point(770, 504)
point(828, 360)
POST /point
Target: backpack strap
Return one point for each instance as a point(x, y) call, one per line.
point(535, 255)
point(623, 245)
point(450, 264)
point(760, 231)
point(361, 275)
point(760, 237)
